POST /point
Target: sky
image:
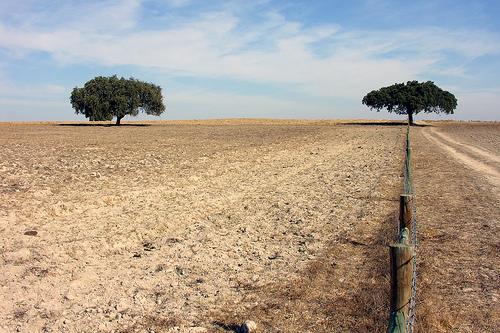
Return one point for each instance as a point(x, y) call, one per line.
point(251, 59)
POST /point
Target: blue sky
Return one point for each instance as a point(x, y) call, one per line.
point(262, 58)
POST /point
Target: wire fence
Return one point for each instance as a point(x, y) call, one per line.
point(408, 189)
point(403, 315)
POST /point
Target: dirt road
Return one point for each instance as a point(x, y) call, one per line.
point(476, 158)
point(456, 178)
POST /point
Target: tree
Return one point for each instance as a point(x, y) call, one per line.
point(411, 98)
point(103, 98)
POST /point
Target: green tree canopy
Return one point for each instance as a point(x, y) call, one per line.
point(103, 98)
point(411, 98)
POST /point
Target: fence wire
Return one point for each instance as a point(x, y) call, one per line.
point(409, 189)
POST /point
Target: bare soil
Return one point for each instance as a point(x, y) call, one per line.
point(172, 227)
point(197, 226)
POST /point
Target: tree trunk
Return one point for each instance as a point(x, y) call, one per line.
point(118, 119)
point(410, 118)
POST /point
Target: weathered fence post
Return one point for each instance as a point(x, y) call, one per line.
point(401, 283)
point(403, 260)
point(405, 212)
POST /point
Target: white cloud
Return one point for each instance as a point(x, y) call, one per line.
point(212, 45)
point(321, 60)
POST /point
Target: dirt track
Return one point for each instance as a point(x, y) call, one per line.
point(480, 160)
point(458, 211)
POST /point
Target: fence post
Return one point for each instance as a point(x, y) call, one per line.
point(408, 163)
point(401, 284)
point(403, 260)
point(405, 212)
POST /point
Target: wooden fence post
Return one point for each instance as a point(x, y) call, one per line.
point(405, 212)
point(401, 285)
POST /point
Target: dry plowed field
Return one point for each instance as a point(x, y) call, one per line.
point(197, 226)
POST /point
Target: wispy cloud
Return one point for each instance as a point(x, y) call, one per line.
point(326, 60)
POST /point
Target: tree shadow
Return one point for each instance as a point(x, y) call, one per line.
point(384, 123)
point(104, 125)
